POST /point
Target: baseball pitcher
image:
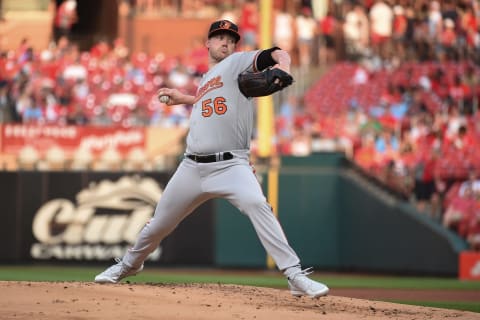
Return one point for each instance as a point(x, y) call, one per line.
point(216, 162)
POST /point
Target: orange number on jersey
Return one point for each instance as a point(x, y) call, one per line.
point(219, 106)
point(207, 109)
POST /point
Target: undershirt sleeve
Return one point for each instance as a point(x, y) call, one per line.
point(265, 60)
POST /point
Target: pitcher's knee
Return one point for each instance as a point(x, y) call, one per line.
point(254, 204)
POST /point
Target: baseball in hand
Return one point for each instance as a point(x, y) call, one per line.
point(164, 99)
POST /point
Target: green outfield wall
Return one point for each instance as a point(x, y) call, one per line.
point(333, 215)
point(337, 219)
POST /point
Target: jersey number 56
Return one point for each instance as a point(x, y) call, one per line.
point(217, 105)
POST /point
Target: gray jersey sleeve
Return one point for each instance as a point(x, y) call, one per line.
point(241, 61)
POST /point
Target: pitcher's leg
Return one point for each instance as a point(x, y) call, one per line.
point(181, 196)
point(270, 231)
point(239, 185)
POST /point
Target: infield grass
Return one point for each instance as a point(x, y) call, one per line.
point(272, 279)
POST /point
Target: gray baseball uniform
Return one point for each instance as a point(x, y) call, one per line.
point(221, 121)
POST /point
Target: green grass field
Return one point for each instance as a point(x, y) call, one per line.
point(260, 278)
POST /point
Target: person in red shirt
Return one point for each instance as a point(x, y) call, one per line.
point(327, 28)
point(399, 30)
point(197, 57)
point(459, 214)
point(459, 92)
point(65, 17)
point(448, 41)
point(249, 18)
point(425, 191)
point(365, 155)
point(469, 25)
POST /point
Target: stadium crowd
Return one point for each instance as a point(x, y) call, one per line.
point(400, 95)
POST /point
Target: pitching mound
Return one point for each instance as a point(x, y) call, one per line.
point(74, 300)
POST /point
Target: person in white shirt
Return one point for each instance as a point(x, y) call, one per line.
point(381, 22)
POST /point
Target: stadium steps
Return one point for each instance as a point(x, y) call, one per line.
point(304, 79)
point(375, 188)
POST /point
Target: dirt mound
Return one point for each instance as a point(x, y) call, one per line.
point(75, 300)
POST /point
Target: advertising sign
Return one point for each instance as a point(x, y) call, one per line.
point(70, 138)
point(469, 266)
point(94, 216)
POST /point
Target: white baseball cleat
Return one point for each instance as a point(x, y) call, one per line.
point(301, 285)
point(117, 272)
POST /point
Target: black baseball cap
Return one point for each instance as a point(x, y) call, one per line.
point(224, 26)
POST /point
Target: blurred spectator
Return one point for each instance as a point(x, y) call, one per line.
point(381, 19)
point(249, 24)
point(32, 114)
point(459, 94)
point(284, 31)
point(7, 105)
point(101, 117)
point(400, 24)
point(473, 229)
point(301, 144)
point(65, 17)
point(386, 146)
point(473, 183)
point(77, 116)
point(365, 154)
point(435, 21)
point(75, 72)
point(137, 118)
point(306, 27)
point(449, 11)
point(459, 213)
point(196, 59)
point(327, 29)
point(356, 32)
point(101, 49)
point(470, 24)
point(410, 45)
point(61, 48)
point(426, 195)
point(285, 118)
point(448, 42)
point(423, 44)
point(24, 101)
point(456, 120)
point(120, 50)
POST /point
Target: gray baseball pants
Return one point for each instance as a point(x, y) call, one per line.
point(194, 183)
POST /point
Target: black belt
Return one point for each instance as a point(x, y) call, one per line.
point(207, 158)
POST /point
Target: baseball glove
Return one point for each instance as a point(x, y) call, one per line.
point(264, 83)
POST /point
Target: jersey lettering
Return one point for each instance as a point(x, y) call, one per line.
point(218, 106)
point(211, 84)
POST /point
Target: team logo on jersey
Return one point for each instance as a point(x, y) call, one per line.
point(211, 84)
point(103, 223)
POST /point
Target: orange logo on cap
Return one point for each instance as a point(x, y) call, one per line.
point(225, 25)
